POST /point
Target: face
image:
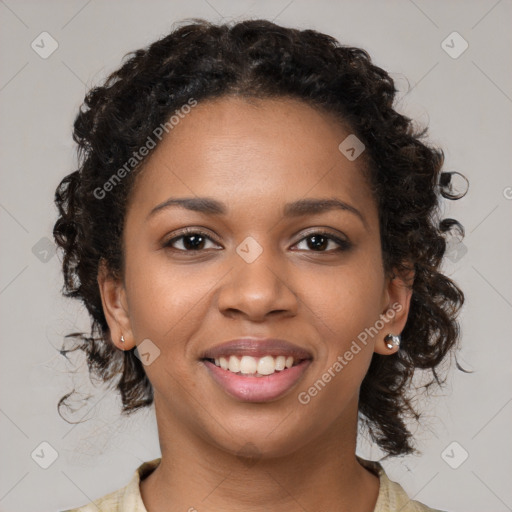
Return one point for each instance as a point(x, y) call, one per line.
point(253, 263)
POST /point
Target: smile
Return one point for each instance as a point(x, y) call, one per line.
point(249, 384)
point(248, 365)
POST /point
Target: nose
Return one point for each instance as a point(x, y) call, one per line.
point(258, 289)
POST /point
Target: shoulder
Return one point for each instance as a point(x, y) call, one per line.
point(126, 499)
point(392, 496)
point(401, 500)
point(110, 502)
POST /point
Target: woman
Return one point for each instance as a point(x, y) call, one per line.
point(255, 233)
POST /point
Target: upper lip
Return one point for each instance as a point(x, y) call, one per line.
point(257, 347)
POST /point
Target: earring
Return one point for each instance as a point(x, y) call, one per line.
point(392, 340)
point(122, 338)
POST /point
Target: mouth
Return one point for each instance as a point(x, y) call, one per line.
point(252, 370)
point(254, 366)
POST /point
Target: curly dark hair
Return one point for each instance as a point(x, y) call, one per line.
point(259, 59)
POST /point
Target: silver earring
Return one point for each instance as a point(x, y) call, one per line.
point(122, 338)
point(392, 340)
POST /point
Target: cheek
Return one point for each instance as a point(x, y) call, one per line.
point(347, 307)
point(165, 308)
point(343, 318)
point(169, 305)
point(350, 297)
point(163, 301)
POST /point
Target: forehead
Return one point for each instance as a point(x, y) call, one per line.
point(250, 153)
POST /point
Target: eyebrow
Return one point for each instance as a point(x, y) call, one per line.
point(310, 206)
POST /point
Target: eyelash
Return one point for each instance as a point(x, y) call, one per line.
point(344, 245)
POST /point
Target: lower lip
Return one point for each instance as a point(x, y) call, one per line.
point(257, 389)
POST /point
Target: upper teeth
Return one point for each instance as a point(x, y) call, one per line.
point(266, 365)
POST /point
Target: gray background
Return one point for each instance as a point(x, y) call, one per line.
point(465, 100)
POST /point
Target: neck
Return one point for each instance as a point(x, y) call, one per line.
point(196, 475)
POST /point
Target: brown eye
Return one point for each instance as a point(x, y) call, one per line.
point(190, 241)
point(320, 241)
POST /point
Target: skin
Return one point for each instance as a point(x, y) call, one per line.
point(254, 156)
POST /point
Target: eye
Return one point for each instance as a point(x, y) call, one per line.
point(194, 240)
point(190, 239)
point(320, 240)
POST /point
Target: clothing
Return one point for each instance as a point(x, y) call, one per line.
point(392, 497)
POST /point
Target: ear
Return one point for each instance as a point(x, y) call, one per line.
point(396, 305)
point(115, 307)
